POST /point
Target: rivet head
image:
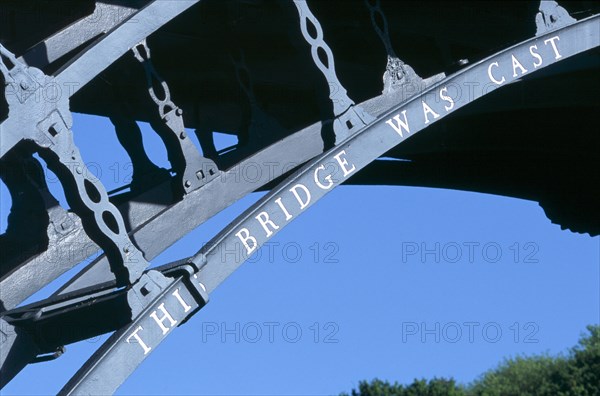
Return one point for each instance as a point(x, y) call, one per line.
point(182, 135)
point(24, 85)
point(187, 184)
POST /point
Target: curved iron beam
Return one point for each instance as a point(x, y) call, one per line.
point(270, 163)
point(144, 220)
point(206, 270)
point(105, 17)
point(110, 47)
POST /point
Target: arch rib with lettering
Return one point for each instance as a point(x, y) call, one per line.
point(186, 284)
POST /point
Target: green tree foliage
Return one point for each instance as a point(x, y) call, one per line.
point(434, 387)
point(576, 373)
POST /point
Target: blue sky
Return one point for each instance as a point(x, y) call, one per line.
point(389, 282)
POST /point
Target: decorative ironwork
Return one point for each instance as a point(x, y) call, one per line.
point(349, 118)
point(193, 170)
point(146, 305)
point(48, 125)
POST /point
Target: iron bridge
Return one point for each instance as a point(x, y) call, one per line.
point(494, 97)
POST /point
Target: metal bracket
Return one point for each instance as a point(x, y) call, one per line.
point(193, 170)
point(349, 117)
point(50, 356)
point(192, 281)
point(398, 76)
point(47, 123)
point(169, 308)
point(551, 17)
point(145, 290)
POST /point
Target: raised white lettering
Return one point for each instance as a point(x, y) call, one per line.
point(139, 340)
point(265, 222)
point(536, 56)
point(399, 123)
point(318, 182)
point(427, 110)
point(446, 98)
point(166, 316)
point(551, 40)
point(283, 209)
point(245, 238)
point(344, 163)
point(303, 203)
point(491, 76)
point(516, 64)
point(181, 301)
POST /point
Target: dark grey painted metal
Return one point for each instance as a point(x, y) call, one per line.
point(67, 249)
point(176, 302)
point(101, 54)
point(47, 123)
point(183, 286)
point(375, 140)
point(397, 73)
point(37, 332)
point(192, 169)
point(35, 217)
point(70, 79)
point(157, 234)
point(146, 173)
point(144, 214)
point(550, 17)
point(105, 17)
point(270, 163)
point(260, 125)
point(17, 351)
point(284, 203)
point(349, 118)
point(346, 123)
